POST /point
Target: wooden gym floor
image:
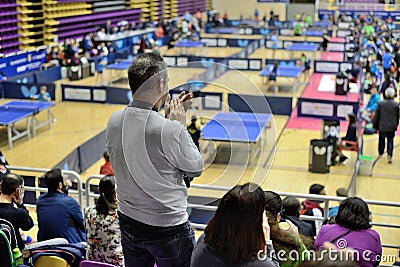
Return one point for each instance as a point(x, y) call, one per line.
point(78, 122)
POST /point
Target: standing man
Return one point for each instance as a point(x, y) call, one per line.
point(150, 155)
point(386, 121)
point(58, 214)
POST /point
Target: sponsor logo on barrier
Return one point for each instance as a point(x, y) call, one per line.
point(222, 42)
point(240, 64)
point(343, 110)
point(255, 64)
point(327, 67)
point(77, 94)
point(99, 95)
point(182, 61)
point(317, 109)
point(210, 42)
point(336, 47)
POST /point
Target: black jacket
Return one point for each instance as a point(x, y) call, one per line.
point(387, 116)
point(304, 227)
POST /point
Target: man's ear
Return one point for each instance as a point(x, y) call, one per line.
point(161, 85)
point(60, 185)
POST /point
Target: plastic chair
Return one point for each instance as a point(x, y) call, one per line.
point(53, 261)
point(86, 263)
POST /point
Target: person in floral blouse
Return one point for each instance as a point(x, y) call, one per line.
point(102, 226)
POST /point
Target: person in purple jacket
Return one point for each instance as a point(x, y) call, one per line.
point(352, 230)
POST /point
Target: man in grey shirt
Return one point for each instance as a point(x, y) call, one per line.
point(150, 153)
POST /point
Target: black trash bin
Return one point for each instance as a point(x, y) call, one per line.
point(331, 132)
point(320, 156)
point(74, 73)
point(341, 84)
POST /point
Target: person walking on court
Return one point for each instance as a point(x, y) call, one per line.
point(150, 154)
point(386, 121)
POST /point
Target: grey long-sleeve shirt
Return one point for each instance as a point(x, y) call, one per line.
point(149, 155)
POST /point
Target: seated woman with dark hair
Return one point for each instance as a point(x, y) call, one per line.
point(285, 236)
point(102, 226)
point(352, 230)
point(238, 234)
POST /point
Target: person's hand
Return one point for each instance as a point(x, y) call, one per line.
point(186, 99)
point(266, 228)
point(167, 105)
point(19, 197)
point(3, 169)
point(177, 112)
point(293, 228)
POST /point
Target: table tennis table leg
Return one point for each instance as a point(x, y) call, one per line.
point(49, 117)
point(9, 133)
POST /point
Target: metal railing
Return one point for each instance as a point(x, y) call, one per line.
point(76, 177)
point(326, 200)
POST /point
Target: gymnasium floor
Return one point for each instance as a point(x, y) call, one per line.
point(78, 122)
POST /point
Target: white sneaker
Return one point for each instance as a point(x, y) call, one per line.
point(389, 159)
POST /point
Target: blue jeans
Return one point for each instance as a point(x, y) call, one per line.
point(174, 251)
point(381, 145)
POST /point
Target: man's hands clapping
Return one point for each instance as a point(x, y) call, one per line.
point(176, 109)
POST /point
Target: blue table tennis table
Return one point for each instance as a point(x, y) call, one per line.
point(226, 30)
point(241, 127)
point(322, 24)
point(194, 46)
point(15, 111)
point(118, 70)
point(291, 72)
point(318, 33)
point(305, 47)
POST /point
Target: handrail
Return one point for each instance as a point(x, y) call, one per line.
point(74, 175)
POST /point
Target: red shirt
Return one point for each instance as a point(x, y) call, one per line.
point(107, 169)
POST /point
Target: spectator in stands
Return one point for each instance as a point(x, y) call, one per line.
point(101, 34)
point(272, 78)
point(388, 83)
point(108, 27)
point(144, 44)
point(352, 230)
point(106, 168)
point(43, 95)
point(185, 28)
point(386, 121)
point(150, 154)
point(340, 192)
point(103, 48)
point(291, 212)
point(372, 105)
point(3, 167)
point(198, 17)
point(284, 235)
point(58, 214)
point(379, 74)
point(102, 226)
point(312, 207)
point(159, 32)
point(387, 61)
point(237, 233)
point(12, 208)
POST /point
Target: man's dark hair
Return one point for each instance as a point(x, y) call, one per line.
point(353, 214)
point(146, 69)
point(316, 189)
point(10, 183)
point(53, 178)
point(106, 156)
point(291, 206)
point(273, 203)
